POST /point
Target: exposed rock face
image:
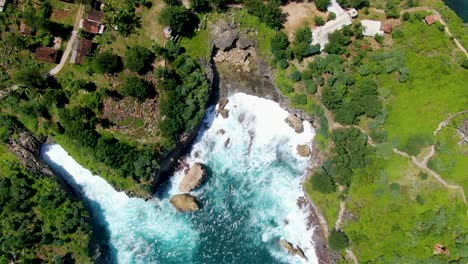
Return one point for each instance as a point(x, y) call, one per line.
point(221, 131)
point(236, 57)
point(184, 202)
point(223, 35)
point(245, 42)
point(462, 131)
point(222, 103)
point(224, 113)
point(193, 178)
point(291, 250)
point(295, 122)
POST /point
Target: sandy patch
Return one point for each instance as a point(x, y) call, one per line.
point(299, 14)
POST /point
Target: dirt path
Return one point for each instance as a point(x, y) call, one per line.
point(351, 255)
point(70, 43)
point(447, 121)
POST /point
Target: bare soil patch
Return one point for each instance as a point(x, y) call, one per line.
point(299, 14)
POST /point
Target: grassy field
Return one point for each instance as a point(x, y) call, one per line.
point(451, 158)
point(437, 87)
point(397, 215)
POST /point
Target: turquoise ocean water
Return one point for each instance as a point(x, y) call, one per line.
point(249, 200)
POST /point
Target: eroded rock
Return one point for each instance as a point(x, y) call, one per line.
point(193, 179)
point(184, 202)
point(223, 35)
point(295, 122)
point(224, 113)
point(221, 132)
point(245, 42)
point(291, 250)
point(303, 150)
point(222, 103)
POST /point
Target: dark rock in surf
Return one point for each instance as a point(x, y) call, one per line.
point(303, 150)
point(295, 122)
point(224, 113)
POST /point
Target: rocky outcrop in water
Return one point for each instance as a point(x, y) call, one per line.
point(184, 202)
point(224, 113)
point(193, 179)
point(303, 150)
point(222, 103)
point(291, 250)
point(295, 122)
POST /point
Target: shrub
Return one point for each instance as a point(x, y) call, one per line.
point(464, 64)
point(298, 99)
point(295, 76)
point(310, 86)
point(322, 4)
point(137, 58)
point(379, 38)
point(134, 87)
point(180, 20)
point(338, 240)
point(323, 183)
point(406, 16)
point(106, 62)
point(283, 64)
point(331, 16)
point(319, 21)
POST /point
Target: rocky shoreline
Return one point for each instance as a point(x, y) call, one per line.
point(251, 74)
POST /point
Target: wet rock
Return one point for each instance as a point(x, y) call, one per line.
point(226, 143)
point(221, 132)
point(222, 103)
point(193, 178)
point(291, 250)
point(184, 202)
point(295, 122)
point(303, 150)
point(224, 113)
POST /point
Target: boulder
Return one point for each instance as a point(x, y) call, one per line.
point(223, 35)
point(222, 103)
point(193, 178)
point(303, 150)
point(227, 142)
point(291, 250)
point(184, 202)
point(224, 113)
point(295, 122)
point(221, 132)
point(244, 42)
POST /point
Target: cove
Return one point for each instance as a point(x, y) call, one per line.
point(460, 7)
point(249, 200)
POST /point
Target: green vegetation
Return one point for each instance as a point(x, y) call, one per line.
point(180, 20)
point(138, 59)
point(269, 13)
point(106, 62)
point(39, 221)
point(338, 240)
point(135, 87)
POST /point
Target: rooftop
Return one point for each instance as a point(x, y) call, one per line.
point(91, 26)
point(430, 19)
point(372, 27)
point(95, 15)
point(46, 54)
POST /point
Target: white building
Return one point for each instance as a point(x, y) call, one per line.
point(371, 28)
point(2, 4)
point(343, 18)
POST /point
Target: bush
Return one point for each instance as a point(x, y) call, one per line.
point(406, 16)
point(338, 240)
point(283, 64)
point(180, 20)
point(322, 4)
point(106, 62)
point(323, 183)
point(137, 59)
point(134, 87)
point(269, 13)
point(331, 16)
point(295, 76)
point(319, 21)
point(379, 38)
point(310, 86)
point(464, 64)
point(298, 99)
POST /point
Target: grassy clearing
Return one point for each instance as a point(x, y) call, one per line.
point(328, 204)
point(197, 46)
point(437, 86)
point(398, 216)
point(451, 158)
point(63, 12)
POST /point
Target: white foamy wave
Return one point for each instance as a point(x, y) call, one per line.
point(258, 139)
point(138, 230)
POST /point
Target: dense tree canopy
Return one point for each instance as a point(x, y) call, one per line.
point(179, 19)
point(106, 62)
point(135, 87)
point(137, 58)
point(269, 13)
